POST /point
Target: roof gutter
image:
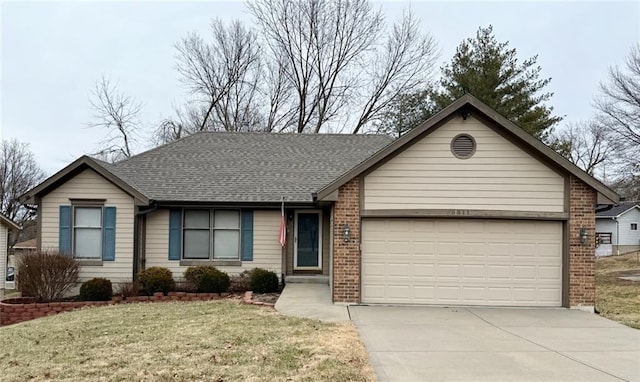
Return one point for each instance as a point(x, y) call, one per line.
point(154, 207)
point(607, 207)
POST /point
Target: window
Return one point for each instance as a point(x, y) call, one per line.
point(87, 232)
point(603, 237)
point(211, 234)
point(634, 226)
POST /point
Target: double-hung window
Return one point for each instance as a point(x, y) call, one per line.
point(211, 234)
point(87, 232)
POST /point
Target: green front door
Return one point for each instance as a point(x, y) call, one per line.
point(307, 239)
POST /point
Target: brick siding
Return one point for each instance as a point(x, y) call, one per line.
point(346, 256)
point(582, 204)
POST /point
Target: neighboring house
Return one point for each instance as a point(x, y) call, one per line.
point(19, 249)
point(618, 229)
point(5, 225)
point(465, 209)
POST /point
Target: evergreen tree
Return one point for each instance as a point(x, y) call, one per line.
point(405, 112)
point(489, 70)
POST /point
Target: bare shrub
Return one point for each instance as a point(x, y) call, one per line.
point(241, 282)
point(46, 275)
point(128, 289)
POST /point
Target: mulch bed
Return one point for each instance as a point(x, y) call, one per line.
point(266, 297)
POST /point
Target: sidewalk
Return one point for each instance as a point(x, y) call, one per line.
point(310, 301)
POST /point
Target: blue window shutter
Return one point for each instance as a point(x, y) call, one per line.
point(175, 233)
point(247, 236)
point(109, 234)
point(64, 236)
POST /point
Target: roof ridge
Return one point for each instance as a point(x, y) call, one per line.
point(285, 133)
point(164, 145)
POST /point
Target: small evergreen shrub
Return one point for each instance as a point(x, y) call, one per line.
point(207, 279)
point(156, 279)
point(263, 281)
point(97, 289)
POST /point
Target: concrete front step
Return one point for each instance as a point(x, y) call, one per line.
point(307, 279)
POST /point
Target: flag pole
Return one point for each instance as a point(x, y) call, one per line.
point(283, 226)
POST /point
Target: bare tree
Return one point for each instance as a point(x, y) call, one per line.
point(19, 172)
point(618, 109)
point(119, 115)
point(588, 145)
point(278, 92)
point(399, 69)
point(619, 104)
point(332, 54)
point(222, 73)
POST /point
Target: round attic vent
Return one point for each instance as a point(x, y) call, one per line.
point(463, 146)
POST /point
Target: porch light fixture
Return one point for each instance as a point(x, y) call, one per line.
point(584, 236)
point(346, 233)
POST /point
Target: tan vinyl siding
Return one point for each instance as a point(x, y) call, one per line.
point(267, 252)
point(499, 176)
point(90, 185)
point(3, 254)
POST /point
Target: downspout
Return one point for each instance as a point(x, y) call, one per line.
point(617, 236)
point(139, 242)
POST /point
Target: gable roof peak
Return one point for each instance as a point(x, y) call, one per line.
point(504, 127)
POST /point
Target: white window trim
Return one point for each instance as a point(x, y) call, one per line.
point(631, 226)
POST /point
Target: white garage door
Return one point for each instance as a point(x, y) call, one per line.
point(462, 261)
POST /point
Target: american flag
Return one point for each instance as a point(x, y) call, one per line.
point(283, 227)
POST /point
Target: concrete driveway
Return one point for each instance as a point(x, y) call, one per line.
point(496, 344)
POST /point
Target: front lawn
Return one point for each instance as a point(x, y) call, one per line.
point(181, 341)
point(618, 299)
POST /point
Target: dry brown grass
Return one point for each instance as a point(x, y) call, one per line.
point(618, 299)
point(182, 341)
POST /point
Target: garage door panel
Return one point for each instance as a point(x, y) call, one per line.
point(373, 247)
point(421, 292)
point(477, 294)
point(401, 269)
point(448, 294)
point(419, 270)
point(499, 295)
point(550, 272)
point(462, 261)
point(498, 272)
point(423, 248)
point(524, 272)
point(549, 295)
point(374, 269)
point(474, 271)
point(444, 248)
point(447, 226)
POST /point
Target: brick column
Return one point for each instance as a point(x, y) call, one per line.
point(582, 204)
point(346, 256)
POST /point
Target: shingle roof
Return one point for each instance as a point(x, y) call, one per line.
point(617, 209)
point(245, 167)
point(8, 222)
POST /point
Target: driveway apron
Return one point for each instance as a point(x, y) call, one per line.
point(496, 344)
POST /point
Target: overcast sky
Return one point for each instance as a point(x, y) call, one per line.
point(53, 52)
